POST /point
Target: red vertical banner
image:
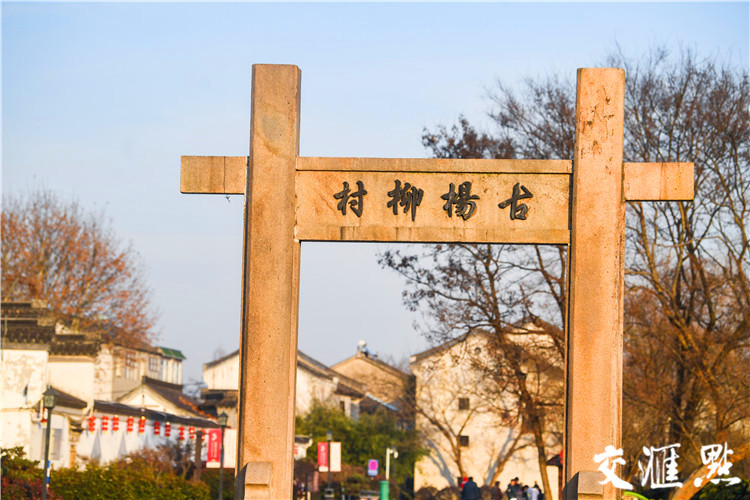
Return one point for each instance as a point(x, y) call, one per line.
point(323, 457)
point(214, 448)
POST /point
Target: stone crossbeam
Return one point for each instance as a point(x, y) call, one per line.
point(227, 175)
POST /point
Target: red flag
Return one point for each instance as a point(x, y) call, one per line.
point(214, 445)
point(323, 457)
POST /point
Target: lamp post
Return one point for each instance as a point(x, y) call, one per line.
point(48, 401)
point(329, 437)
point(388, 453)
point(222, 423)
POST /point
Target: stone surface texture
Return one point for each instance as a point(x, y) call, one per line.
point(270, 287)
point(593, 409)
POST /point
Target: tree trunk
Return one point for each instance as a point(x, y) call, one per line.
point(541, 455)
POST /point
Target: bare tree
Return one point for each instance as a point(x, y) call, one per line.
point(688, 263)
point(687, 325)
point(478, 289)
point(55, 251)
point(451, 406)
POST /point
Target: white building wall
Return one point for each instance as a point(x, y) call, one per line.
point(224, 375)
point(105, 446)
point(441, 380)
point(104, 374)
point(311, 387)
point(74, 375)
point(21, 369)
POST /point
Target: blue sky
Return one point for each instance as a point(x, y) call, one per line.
point(99, 100)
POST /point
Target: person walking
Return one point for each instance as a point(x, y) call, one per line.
point(534, 492)
point(495, 492)
point(471, 491)
point(514, 490)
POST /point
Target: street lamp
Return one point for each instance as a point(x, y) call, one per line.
point(329, 437)
point(388, 453)
point(222, 420)
point(49, 398)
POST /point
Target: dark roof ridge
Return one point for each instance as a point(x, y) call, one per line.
point(146, 380)
point(68, 400)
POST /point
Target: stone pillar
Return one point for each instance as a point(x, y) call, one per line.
point(593, 410)
point(270, 289)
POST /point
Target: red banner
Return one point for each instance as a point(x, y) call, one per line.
point(214, 446)
point(323, 457)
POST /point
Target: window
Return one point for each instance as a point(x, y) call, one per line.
point(463, 441)
point(129, 366)
point(343, 406)
point(153, 366)
point(463, 403)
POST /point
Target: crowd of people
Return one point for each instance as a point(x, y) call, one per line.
point(514, 491)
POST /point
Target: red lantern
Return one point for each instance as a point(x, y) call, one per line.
point(191, 431)
point(182, 433)
point(142, 425)
point(157, 427)
point(130, 424)
point(203, 436)
point(92, 423)
point(167, 429)
point(115, 423)
point(105, 423)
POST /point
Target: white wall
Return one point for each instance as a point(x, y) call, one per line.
point(21, 368)
point(310, 388)
point(224, 375)
point(441, 380)
point(104, 374)
point(105, 446)
point(74, 375)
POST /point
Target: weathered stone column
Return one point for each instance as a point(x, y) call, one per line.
point(270, 289)
point(593, 411)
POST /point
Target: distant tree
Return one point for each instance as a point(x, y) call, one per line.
point(57, 252)
point(363, 439)
point(687, 324)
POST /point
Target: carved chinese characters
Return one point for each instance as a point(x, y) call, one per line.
point(462, 200)
point(409, 197)
point(374, 206)
point(517, 210)
point(353, 199)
